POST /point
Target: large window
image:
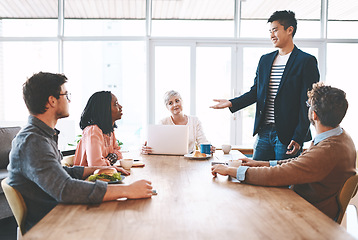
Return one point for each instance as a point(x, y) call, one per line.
point(118, 67)
point(342, 74)
point(199, 18)
point(251, 57)
point(19, 61)
point(342, 19)
point(105, 18)
point(254, 15)
point(204, 49)
point(77, 27)
point(172, 72)
point(28, 27)
point(213, 80)
point(199, 74)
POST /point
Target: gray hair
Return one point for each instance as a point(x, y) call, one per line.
point(170, 94)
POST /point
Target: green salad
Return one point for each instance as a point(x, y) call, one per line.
point(104, 177)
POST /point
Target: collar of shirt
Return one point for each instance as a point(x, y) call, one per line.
point(334, 132)
point(53, 133)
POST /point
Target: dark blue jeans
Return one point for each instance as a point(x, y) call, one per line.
point(269, 147)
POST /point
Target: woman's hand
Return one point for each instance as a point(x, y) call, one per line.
point(212, 149)
point(146, 149)
point(122, 170)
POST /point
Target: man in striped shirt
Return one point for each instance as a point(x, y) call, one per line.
point(279, 91)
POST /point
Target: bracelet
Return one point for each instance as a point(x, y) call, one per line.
point(112, 157)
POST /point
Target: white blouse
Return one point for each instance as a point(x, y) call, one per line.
point(196, 133)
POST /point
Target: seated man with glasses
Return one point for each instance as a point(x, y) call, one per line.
point(317, 174)
point(35, 169)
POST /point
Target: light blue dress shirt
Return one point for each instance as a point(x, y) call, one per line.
point(241, 171)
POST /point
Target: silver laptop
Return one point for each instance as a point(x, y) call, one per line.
point(168, 139)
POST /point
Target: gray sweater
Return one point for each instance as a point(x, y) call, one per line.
point(36, 172)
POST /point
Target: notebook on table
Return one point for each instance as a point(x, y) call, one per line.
point(168, 139)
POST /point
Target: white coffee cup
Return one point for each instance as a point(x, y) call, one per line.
point(234, 163)
point(226, 148)
point(126, 163)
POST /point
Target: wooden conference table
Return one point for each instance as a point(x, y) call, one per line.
point(191, 204)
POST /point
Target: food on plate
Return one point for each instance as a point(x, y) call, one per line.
point(199, 154)
point(106, 175)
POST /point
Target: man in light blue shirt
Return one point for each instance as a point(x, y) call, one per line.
point(317, 174)
point(240, 175)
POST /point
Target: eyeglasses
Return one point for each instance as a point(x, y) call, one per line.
point(68, 95)
point(308, 104)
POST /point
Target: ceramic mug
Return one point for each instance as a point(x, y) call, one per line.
point(226, 148)
point(126, 163)
point(205, 148)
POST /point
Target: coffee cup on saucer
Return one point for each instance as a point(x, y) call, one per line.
point(126, 163)
point(226, 148)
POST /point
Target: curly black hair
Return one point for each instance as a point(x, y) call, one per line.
point(98, 112)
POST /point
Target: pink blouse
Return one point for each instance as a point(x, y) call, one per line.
point(94, 147)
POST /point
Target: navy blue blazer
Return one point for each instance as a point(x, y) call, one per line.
point(291, 112)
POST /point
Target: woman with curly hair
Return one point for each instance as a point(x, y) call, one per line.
point(98, 146)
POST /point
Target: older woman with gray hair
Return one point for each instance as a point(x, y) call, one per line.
point(173, 102)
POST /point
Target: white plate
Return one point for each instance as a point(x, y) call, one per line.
point(119, 181)
point(191, 156)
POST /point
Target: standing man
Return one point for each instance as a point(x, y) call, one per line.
point(35, 169)
point(280, 92)
point(319, 173)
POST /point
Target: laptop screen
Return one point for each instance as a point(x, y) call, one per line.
point(168, 139)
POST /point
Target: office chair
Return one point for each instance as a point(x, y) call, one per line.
point(347, 192)
point(17, 205)
point(353, 201)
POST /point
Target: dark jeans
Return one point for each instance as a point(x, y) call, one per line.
point(268, 146)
